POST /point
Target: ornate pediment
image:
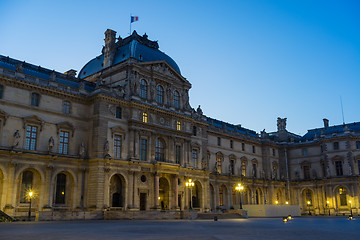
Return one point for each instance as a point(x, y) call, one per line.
point(3, 116)
point(33, 120)
point(232, 157)
point(66, 126)
point(117, 129)
point(243, 159)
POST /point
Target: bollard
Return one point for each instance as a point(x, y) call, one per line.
point(215, 218)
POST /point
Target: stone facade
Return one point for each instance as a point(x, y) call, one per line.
point(123, 137)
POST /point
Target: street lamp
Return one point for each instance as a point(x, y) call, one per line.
point(308, 203)
point(328, 206)
point(30, 196)
point(239, 188)
point(190, 184)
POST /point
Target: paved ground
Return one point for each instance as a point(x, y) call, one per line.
point(303, 228)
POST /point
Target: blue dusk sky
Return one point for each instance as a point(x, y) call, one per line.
point(249, 61)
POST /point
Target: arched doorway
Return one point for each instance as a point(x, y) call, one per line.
point(259, 196)
point(212, 198)
point(30, 180)
point(247, 196)
point(279, 197)
point(117, 191)
point(164, 194)
point(342, 202)
point(307, 202)
point(223, 196)
point(196, 195)
point(63, 189)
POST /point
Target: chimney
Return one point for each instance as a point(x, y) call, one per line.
point(109, 48)
point(71, 73)
point(326, 123)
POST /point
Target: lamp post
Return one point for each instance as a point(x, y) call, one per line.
point(190, 184)
point(239, 188)
point(30, 195)
point(350, 208)
point(308, 204)
point(328, 206)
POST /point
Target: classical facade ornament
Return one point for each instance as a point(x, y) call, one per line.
point(16, 139)
point(82, 150)
point(281, 124)
point(51, 144)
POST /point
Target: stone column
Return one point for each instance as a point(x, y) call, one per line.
point(156, 195)
point(176, 192)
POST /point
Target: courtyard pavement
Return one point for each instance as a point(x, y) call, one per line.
point(303, 228)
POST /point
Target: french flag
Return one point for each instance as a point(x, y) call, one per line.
point(134, 19)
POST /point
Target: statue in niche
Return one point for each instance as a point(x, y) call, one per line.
point(82, 150)
point(51, 144)
point(106, 148)
point(16, 140)
point(328, 174)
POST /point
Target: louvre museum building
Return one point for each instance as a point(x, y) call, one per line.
point(120, 140)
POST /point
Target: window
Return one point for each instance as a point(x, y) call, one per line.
point(231, 144)
point(178, 154)
point(219, 141)
point(64, 142)
point(273, 151)
point(254, 170)
point(253, 149)
point(306, 172)
point(304, 152)
point(194, 130)
point(243, 168)
point(143, 89)
point(26, 185)
point(342, 195)
point(219, 161)
point(159, 150)
point(232, 167)
point(338, 167)
point(221, 196)
point(357, 144)
point(243, 146)
point(145, 117)
point(117, 146)
point(31, 135)
point(118, 112)
point(160, 94)
point(143, 149)
point(336, 145)
point(66, 107)
point(60, 188)
point(176, 99)
point(178, 125)
point(195, 157)
point(35, 99)
point(1, 91)
point(308, 197)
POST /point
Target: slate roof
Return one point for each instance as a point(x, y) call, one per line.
point(317, 132)
point(230, 128)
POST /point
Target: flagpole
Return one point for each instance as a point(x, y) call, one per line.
point(130, 25)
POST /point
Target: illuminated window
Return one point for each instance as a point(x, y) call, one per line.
point(31, 136)
point(308, 197)
point(145, 117)
point(117, 146)
point(26, 185)
point(176, 99)
point(343, 197)
point(143, 89)
point(159, 150)
point(219, 162)
point(35, 99)
point(243, 168)
point(66, 107)
point(160, 94)
point(178, 125)
point(64, 142)
point(60, 189)
point(143, 149)
point(195, 157)
point(221, 196)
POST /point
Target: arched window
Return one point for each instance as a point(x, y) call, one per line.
point(342, 196)
point(60, 188)
point(219, 163)
point(160, 94)
point(26, 186)
point(308, 197)
point(143, 89)
point(243, 168)
point(159, 150)
point(221, 196)
point(176, 99)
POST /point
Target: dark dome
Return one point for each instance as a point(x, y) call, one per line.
point(134, 46)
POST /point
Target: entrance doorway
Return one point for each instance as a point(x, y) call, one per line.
point(164, 193)
point(143, 201)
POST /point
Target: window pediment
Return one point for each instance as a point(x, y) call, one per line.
point(243, 159)
point(254, 161)
point(65, 125)
point(117, 130)
point(337, 158)
point(33, 120)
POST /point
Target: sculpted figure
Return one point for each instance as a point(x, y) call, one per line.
point(106, 148)
point(199, 110)
point(16, 138)
point(51, 144)
point(82, 150)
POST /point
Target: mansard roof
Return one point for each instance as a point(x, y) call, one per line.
point(230, 128)
point(38, 74)
point(134, 46)
point(331, 130)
